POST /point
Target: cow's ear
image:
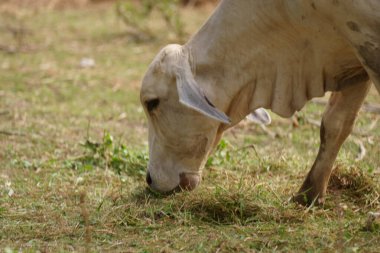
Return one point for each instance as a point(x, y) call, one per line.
point(191, 95)
point(260, 116)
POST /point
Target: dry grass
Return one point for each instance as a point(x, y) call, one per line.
point(357, 185)
point(58, 196)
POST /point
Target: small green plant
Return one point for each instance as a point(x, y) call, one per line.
point(221, 155)
point(110, 155)
point(135, 15)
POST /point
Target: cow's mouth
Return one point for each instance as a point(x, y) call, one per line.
point(187, 182)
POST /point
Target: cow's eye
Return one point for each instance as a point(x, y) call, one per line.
point(152, 104)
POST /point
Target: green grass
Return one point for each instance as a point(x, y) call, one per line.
point(73, 147)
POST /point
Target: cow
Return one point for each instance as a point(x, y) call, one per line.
point(251, 54)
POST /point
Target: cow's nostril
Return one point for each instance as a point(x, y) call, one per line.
point(148, 179)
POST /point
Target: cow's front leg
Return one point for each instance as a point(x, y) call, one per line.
point(337, 123)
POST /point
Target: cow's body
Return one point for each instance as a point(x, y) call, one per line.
point(275, 54)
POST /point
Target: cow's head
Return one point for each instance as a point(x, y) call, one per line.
point(183, 123)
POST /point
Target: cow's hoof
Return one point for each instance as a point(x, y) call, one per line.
point(308, 198)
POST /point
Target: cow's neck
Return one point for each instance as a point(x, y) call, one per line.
point(218, 60)
point(244, 63)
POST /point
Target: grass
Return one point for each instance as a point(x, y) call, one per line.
point(73, 147)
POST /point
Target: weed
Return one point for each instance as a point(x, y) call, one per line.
point(110, 155)
point(136, 14)
point(14, 30)
point(221, 155)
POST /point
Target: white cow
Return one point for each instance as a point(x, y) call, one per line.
point(275, 54)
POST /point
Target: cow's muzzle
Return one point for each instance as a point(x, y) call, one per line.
point(187, 182)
